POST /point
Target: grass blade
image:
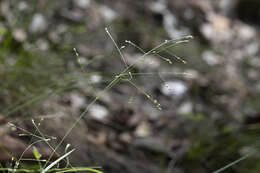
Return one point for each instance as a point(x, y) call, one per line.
point(56, 161)
point(233, 163)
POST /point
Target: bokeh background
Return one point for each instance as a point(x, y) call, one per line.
point(210, 105)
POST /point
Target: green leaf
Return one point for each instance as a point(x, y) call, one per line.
point(36, 153)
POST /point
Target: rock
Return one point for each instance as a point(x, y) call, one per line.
point(54, 37)
point(108, 14)
point(246, 32)
point(39, 24)
point(158, 6)
point(42, 44)
point(83, 61)
point(185, 108)
point(217, 29)
point(99, 139)
point(98, 112)
point(208, 31)
point(135, 119)
point(227, 6)
point(253, 74)
point(143, 130)
point(75, 16)
point(125, 137)
point(95, 78)
point(152, 112)
point(62, 28)
point(171, 25)
point(152, 144)
point(176, 88)
point(19, 35)
point(84, 4)
point(220, 23)
point(77, 101)
point(22, 6)
point(210, 57)
point(252, 48)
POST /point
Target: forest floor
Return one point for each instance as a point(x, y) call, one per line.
point(190, 105)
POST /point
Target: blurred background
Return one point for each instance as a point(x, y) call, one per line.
point(208, 89)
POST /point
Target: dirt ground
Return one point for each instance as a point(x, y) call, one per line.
point(190, 105)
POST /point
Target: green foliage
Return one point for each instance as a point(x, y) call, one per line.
point(36, 153)
point(21, 70)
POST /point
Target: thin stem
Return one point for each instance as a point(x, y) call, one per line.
point(118, 49)
point(111, 84)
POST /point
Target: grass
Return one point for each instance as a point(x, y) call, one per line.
point(117, 79)
point(127, 75)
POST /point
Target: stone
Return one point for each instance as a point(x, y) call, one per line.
point(185, 108)
point(210, 57)
point(22, 6)
point(77, 101)
point(98, 112)
point(19, 35)
point(175, 88)
point(95, 78)
point(42, 44)
point(143, 130)
point(39, 24)
point(84, 4)
point(108, 14)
